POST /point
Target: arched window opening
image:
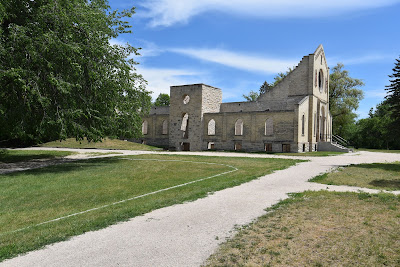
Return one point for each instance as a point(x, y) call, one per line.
point(321, 81)
point(184, 125)
point(302, 124)
point(239, 127)
point(315, 123)
point(144, 127)
point(269, 127)
point(165, 127)
point(211, 127)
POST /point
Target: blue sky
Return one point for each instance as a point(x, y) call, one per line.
point(237, 45)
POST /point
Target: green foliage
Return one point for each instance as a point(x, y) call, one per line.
point(376, 131)
point(162, 100)
point(393, 98)
point(265, 87)
point(281, 76)
point(382, 128)
point(252, 96)
point(344, 98)
point(60, 76)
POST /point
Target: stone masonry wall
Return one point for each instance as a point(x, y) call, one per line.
point(253, 137)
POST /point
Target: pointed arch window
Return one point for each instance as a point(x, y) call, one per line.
point(165, 127)
point(211, 127)
point(239, 127)
point(269, 127)
point(144, 127)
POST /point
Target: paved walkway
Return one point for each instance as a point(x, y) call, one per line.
point(186, 234)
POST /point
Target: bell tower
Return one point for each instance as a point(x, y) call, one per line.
point(188, 103)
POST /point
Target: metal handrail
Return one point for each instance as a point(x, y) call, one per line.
point(340, 140)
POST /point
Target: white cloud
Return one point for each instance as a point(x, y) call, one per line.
point(238, 60)
point(377, 93)
point(362, 59)
point(159, 79)
point(169, 12)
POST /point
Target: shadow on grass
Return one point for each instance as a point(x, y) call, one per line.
point(386, 183)
point(6, 158)
point(63, 167)
point(392, 167)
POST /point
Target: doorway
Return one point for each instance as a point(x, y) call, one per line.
point(185, 146)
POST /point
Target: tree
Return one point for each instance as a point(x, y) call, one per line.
point(344, 98)
point(252, 96)
point(393, 98)
point(162, 100)
point(281, 76)
point(60, 76)
point(375, 131)
point(265, 87)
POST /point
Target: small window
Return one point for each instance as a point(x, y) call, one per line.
point(304, 147)
point(211, 127)
point(302, 124)
point(268, 147)
point(144, 127)
point(185, 99)
point(269, 127)
point(285, 148)
point(210, 146)
point(238, 146)
point(239, 127)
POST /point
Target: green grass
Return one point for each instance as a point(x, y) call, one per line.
point(107, 143)
point(32, 197)
point(319, 229)
point(378, 150)
point(385, 176)
point(12, 156)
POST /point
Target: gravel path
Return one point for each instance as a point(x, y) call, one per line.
point(187, 234)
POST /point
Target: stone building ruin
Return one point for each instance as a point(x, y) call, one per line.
point(293, 116)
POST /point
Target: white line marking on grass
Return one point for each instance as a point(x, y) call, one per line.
point(136, 197)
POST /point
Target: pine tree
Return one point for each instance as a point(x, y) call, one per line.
point(265, 87)
point(393, 97)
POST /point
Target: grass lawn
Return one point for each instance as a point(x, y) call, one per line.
point(11, 156)
point(107, 143)
point(385, 176)
point(319, 229)
point(36, 196)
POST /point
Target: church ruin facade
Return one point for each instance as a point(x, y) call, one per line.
point(292, 116)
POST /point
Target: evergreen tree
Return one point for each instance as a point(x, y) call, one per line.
point(265, 87)
point(393, 98)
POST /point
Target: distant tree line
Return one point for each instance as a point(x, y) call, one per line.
point(381, 130)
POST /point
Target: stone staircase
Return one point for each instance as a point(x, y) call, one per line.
point(338, 144)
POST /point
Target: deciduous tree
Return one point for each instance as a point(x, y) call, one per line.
point(162, 100)
point(60, 76)
point(344, 98)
